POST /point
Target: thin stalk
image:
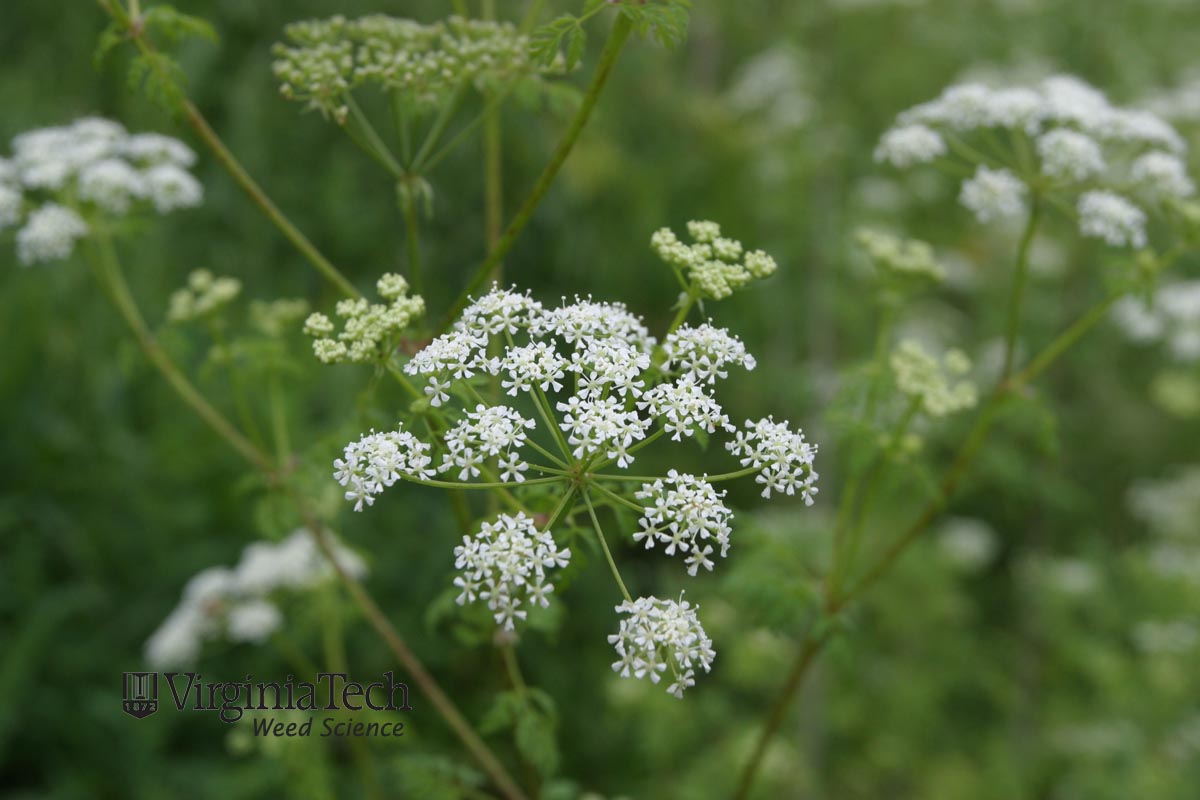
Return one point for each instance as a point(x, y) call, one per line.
point(265, 204)
point(462, 133)
point(612, 565)
point(412, 236)
point(491, 485)
point(1020, 278)
point(438, 128)
point(375, 142)
point(608, 59)
point(808, 651)
point(616, 498)
point(684, 310)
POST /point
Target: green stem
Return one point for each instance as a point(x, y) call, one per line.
point(108, 272)
point(374, 145)
point(612, 565)
point(608, 59)
point(438, 128)
point(616, 498)
point(412, 236)
point(265, 204)
point(684, 310)
point(492, 485)
point(1020, 278)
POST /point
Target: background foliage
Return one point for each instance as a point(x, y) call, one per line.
point(999, 677)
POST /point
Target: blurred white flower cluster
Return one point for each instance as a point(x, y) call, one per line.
point(1170, 315)
point(424, 64)
point(59, 181)
point(237, 603)
point(1061, 136)
point(203, 295)
point(939, 386)
point(661, 635)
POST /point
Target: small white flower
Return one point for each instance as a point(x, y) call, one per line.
point(170, 187)
point(506, 565)
point(993, 194)
point(907, 145)
point(377, 460)
point(11, 201)
point(1163, 175)
point(1108, 216)
point(783, 458)
point(254, 621)
point(49, 234)
point(1069, 155)
point(661, 635)
point(686, 515)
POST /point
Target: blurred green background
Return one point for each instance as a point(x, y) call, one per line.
point(1018, 673)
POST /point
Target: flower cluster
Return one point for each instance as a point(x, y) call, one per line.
point(203, 295)
point(327, 59)
point(1172, 314)
point(600, 388)
point(938, 385)
point(685, 514)
point(377, 460)
point(236, 603)
point(60, 178)
point(505, 565)
point(783, 458)
point(901, 258)
point(659, 635)
point(369, 330)
point(715, 265)
point(1066, 138)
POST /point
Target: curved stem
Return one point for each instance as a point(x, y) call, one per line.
point(608, 58)
point(612, 565)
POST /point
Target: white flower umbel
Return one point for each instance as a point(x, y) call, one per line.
point(993, 194)
point(1069, 155)
point(784, 459)
point(94, 170)
point(495, 431)
point(658, 636)
point(506, 565)
point(1060, 140)
point(377, 460)
point(687, 516)
point(50, 234)
point(704, 351)
point(1108, 216)
point(240, 603)
point(910, 144)
point(1171, 315)
point(1162, 175)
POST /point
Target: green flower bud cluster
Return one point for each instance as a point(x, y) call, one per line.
point(369, 329)
point(715, 265)
point(936, 384)
point(901, 258)
point(274, 318)
point(423, 64)
point(203, 295)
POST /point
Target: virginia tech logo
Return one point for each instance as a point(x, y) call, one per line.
point(140, 695)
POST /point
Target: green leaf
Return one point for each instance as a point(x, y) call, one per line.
point(576, 40)
point(666, 21)
point(175, 26)
point(545, 43)
point(159, 77)
point(110, 38)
